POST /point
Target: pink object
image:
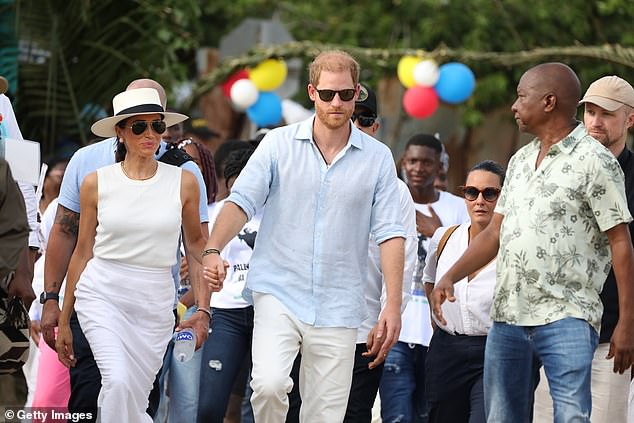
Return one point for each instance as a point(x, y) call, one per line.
point(53, 381)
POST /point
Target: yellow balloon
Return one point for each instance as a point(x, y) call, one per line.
point(268, 75)
point(405, 70)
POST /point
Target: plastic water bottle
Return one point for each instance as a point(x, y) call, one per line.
point(184, 345)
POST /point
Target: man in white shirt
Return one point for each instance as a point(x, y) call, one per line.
point(402, 386)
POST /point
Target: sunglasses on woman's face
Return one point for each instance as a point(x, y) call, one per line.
point(364, 120)
point(138, 127)
point(490, 194)
point(345, 95)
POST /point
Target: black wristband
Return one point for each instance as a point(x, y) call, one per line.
point(211, 251)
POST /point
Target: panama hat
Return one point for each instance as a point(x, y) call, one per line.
point(139, 101)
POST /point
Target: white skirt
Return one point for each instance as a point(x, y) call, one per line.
point(126, 314)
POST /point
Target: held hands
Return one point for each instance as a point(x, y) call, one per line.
point(214, 271)
point(621, 348)
point(427, 225)
point(64, 346)
point(384, 335)
point(443, 290)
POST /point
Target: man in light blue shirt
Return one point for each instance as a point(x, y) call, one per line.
point(326, 186)
point(85, 377)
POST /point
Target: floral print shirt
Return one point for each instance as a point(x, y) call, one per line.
point(554, 254)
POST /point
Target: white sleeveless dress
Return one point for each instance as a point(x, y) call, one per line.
point(125, 296)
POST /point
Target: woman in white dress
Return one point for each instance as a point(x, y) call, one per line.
point(119, 278)
point(455, 359)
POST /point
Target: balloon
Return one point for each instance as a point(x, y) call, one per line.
point(456, 83)
point(426, 73)
point(243, 94)
point(226, 86)
point(269, 75)
point(267, 110)
point(405, 70)
point(420, 102)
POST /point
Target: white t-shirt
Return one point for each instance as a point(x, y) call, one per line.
point(416, 326)
point(48, 218)
point(238, 254)
point(375, 289)
point(470, 313)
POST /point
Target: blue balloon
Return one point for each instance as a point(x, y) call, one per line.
point(456, 83)
point(267, 110)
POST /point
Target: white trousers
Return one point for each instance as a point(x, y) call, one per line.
point(126, 314)
point(326, 368)
point(609, 392)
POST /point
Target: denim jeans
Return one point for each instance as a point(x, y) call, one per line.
point(402, 387)
point(222, 359)
point(514, 353)
point(182, 380)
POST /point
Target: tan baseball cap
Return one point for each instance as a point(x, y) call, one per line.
point(4, 85)
point(609, 93)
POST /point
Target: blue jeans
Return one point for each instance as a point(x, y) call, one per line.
point(514, 353)
point(222, 358)
point(183, 383)
point(402, 387)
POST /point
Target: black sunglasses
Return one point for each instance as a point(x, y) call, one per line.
point(364, 120)
point(490, 194)
point(345, 95)
point(138, 127)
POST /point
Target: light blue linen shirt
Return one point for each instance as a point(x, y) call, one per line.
point(312, 246)
point(95, 156)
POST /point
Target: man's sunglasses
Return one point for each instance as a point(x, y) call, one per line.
point(344, 95)
point(138, 127)
point(490, 194)
point(364, 120)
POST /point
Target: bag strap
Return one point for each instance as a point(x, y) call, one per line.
point(443, 241)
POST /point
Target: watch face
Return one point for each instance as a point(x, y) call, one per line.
point(42, 298)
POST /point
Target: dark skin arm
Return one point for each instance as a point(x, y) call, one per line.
point(61, 243)
point(20, 286)
point(482, 249)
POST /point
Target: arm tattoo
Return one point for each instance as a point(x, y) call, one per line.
point(68, 220)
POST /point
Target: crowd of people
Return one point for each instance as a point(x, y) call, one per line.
point(319, 274)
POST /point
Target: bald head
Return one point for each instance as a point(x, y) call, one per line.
point(149, 83)
point(561, 81)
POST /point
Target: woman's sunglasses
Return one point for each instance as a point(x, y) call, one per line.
point(138, 127)
point(364, 120)
point(344, 95)
point(490, 194)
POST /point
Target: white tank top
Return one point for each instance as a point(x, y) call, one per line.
point(138, 222)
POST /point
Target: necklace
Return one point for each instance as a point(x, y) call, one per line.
point(138, 179)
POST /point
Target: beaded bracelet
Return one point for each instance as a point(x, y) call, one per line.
point(211, 251)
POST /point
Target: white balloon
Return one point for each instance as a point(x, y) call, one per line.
point(426, 73)
point(244, 94)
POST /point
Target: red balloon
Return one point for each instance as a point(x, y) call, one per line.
point(420, 102)
point(226, 86)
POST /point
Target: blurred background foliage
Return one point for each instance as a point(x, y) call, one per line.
point(66, 59)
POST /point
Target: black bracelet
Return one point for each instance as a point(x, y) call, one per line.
point(211, 251)
point(204, 310)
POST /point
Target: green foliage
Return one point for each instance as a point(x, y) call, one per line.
point(81, 53)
